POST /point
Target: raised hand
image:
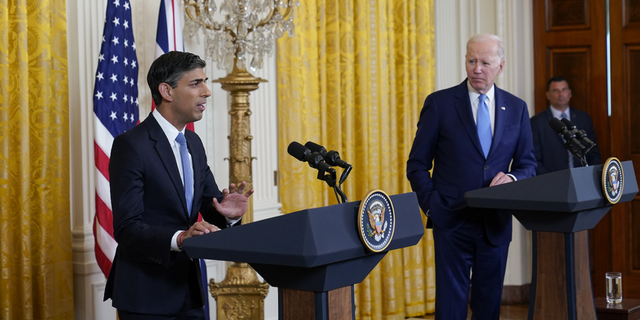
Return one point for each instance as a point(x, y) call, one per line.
point(234, 203)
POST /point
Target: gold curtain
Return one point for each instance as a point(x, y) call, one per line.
point(36, 270)
point(353, 78)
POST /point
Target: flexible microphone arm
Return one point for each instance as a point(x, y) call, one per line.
point(571, 143)
point(581, 135)
point(315, 160)
point(333, 158)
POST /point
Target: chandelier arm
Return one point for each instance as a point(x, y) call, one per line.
point(266, 19)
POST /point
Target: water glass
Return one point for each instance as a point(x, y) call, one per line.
point(614, 287)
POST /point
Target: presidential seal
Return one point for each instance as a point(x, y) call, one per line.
point(612, 180)
point(376, 220)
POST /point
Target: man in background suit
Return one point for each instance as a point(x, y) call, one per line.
point(549, 145)
point(157, 190)
point(465, 159)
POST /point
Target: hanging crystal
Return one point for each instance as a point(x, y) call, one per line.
point(244, 32)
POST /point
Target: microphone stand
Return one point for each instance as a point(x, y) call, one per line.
point(337, 189)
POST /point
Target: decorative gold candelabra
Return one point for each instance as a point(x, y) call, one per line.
point(249, 30)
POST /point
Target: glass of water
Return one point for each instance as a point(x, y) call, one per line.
point(614, 287)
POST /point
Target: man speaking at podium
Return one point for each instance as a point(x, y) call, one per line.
point(476, 135)
point(160, 180)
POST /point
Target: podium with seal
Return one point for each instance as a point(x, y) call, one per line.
point(315, 256)
point(560, 207)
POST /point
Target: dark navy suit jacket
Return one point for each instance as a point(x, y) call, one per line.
point(149, 207)
point(447, 136)
point(551, 154)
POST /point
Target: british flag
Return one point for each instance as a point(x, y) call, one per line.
point(115, 108)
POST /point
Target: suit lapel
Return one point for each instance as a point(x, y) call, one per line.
point(501, 113)
point(163, 148)
point(463, 106)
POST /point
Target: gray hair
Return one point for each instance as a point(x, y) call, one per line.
point(486, 37)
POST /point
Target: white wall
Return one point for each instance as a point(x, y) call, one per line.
point(456, 21)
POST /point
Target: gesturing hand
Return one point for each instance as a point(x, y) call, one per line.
point(234, 204)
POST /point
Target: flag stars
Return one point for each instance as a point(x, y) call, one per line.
point(131, 99)
point(100, 76)
point(126, 80)
point(136, 101)
point(116, 3)
point(134, 46)
point(125, 98)
point(126, 43)
point(115, 41)
point(113, 115)
point(116, 21)
point(126, 5)
point(99, 95)
point(125, 24)
point(101, 57)
point(126, 117)
point(114, 59)
point(113, 96)
point(133, 64)
point(114, 77)
point(126, 62)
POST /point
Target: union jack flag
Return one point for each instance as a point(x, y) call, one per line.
point(115, 108)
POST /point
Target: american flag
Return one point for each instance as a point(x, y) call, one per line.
point(115, 108)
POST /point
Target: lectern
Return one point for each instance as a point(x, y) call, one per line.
point(559, 208)
point(313, 256)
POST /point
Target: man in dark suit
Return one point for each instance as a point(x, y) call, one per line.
point(549, 145)
point(476, 135)
point(157, 190)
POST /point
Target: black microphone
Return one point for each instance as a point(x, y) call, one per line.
point(580, 134)
point(331, 157)
point(570, 137)
point(314, 159)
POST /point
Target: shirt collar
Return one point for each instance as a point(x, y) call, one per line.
point(169, 130)
point(558, 114)
point(473, 94)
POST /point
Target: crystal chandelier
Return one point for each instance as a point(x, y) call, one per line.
point(241, 32)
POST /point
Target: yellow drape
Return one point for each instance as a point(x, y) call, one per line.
point(36, 270)
point(353, 78)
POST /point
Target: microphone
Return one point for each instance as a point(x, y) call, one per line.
point(559, 127)
point(314, 159)
point(331, 157)
point(580, 134)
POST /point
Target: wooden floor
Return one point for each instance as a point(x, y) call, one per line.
point(508, 312)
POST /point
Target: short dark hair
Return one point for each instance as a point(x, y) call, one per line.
point(169, 68)
point(556, 79)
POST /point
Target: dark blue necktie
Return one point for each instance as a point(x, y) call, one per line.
point(187, 172)
point(484, 125)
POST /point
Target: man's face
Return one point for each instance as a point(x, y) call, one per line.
point(559, 95)
point(189, 97)
point(483, 65)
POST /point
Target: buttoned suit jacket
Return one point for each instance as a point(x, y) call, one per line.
point(551, 155)
point(149, 207)
point(447, 137)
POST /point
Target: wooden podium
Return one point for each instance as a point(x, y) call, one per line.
point(313, 256)
point(559, 207)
